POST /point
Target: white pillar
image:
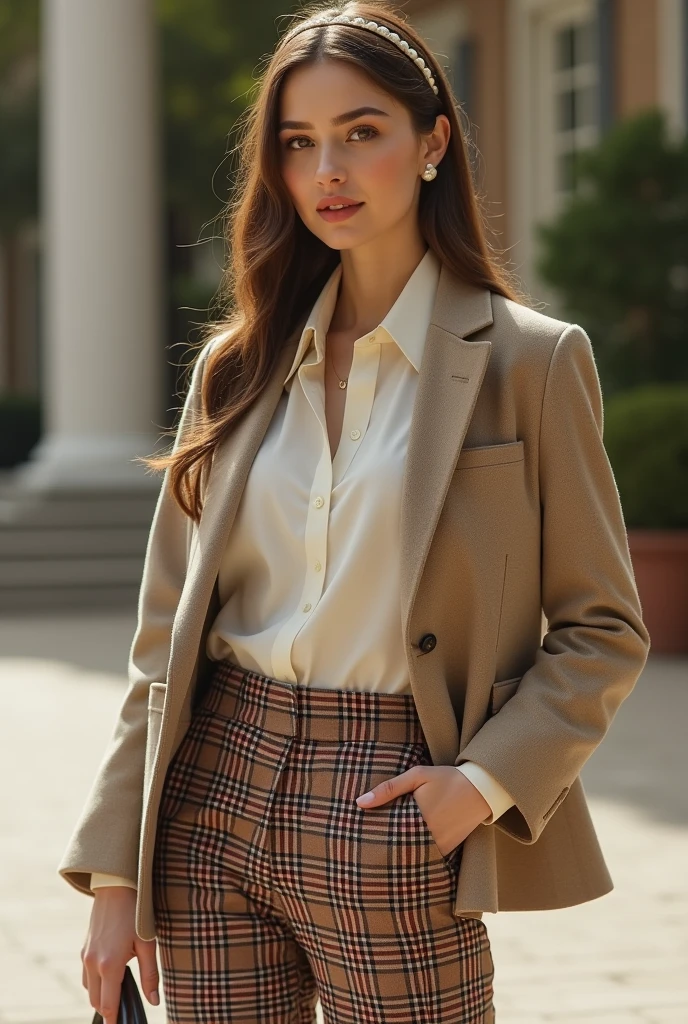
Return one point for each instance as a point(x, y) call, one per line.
point(102, 246)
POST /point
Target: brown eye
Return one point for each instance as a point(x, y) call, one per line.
point(366, 128)
point(354, 131)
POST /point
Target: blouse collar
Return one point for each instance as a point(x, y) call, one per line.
point(406, 323)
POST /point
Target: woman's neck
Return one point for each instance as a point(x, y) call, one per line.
point(370, 285)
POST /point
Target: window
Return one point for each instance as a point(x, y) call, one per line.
point(552, 116)
point(574, 85)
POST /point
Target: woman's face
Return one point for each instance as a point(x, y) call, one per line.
point(341, 135)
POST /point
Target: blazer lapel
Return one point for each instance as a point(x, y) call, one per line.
point(451, 373)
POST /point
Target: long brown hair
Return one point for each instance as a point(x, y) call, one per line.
point(276, 267)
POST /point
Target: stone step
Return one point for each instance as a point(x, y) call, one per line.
point(24, 573)
point(77, 509)
point(73, 549)
point(45, 599)
point(18, 544)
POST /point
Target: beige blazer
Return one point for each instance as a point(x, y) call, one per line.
point(513, 556)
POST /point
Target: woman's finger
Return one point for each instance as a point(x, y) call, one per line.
point(394, 787)
point(148, 969)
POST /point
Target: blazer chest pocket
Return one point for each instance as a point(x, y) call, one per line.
point(156, 705)
point(490, 455)
point(502, 691)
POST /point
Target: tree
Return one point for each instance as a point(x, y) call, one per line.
point(618, 253)
point(210, 51)
point(18, 113)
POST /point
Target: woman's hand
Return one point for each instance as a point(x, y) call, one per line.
point(450, 804)
point(110, 943)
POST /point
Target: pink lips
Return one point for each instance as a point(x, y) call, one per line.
point(337, 215)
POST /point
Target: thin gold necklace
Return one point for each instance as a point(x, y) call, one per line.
point(342, 383)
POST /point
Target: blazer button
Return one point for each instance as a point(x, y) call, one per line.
point(428, 642)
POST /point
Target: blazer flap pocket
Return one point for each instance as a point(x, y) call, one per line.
point(490, 455)
point(502, 691)
point(156, 696)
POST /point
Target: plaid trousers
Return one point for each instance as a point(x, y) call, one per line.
point(273, 888)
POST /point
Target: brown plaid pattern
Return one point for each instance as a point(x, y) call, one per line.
point(272, 888)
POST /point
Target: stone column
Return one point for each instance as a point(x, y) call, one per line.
point(101, 312)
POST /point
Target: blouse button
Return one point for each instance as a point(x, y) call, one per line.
point(355, 434)
point(317, 566)
point(319, 502)
point(307, 607)
point(371, 338)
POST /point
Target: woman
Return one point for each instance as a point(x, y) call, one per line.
point(388, 545)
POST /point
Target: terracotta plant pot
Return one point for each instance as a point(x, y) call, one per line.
point(660, 564)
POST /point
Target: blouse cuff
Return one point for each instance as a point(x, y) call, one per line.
point(495, 794)
point(99, 879)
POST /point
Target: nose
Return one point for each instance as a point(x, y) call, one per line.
point(329, 168)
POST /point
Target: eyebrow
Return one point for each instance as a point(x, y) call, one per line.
point(350, 115)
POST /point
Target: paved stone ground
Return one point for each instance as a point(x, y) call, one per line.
point(621, 959)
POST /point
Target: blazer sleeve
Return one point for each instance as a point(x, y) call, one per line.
point(105, 839)
point(596, 644)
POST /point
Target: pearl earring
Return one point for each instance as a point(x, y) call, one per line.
point(429, 173)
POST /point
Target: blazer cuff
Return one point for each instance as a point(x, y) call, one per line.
point(99, 879)
point(495, 794)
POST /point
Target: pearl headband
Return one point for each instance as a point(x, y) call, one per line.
point(381, 30)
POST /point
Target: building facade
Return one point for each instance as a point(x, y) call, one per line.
point(541, 79)
point(83, 326)
point(538, 80)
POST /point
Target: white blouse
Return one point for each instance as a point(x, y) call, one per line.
point(308, 582)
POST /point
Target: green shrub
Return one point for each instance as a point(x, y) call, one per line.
point(646, 437)
point(20, 428)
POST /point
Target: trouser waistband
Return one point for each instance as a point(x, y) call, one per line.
point(311, 712)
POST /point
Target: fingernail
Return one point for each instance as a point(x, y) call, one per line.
point(366, 798)
point(155, 998)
